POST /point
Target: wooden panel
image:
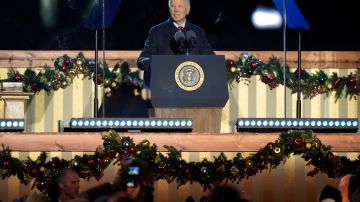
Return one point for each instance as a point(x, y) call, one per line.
point(310, 59)
point(187, 142)
point(204, 119)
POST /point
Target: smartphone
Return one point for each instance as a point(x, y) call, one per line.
point(131, 183)
point(134, 171)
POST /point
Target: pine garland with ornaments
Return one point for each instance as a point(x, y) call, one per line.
point(171, 167)
point(66, 69)
point(272, 74)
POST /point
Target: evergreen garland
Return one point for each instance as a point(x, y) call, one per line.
point(66, 69)
point(172, 167)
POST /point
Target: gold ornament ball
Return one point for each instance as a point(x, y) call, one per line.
point(72, 73)
point(265, 72)
point(107, 82)
point(42, 71)
point(315, 144)
point(234, 170)
point(28, 88)
point(114, 85)
point(118, 79)
point(328, 84)
point(105, 135)
point(233, 69)
point(157, 159)
point(145, 143)
point(249, 164)
point(277, 151)
point(79, 62)
point(308, 145)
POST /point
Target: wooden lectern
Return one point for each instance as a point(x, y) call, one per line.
point(189, 86)
point(14, 98)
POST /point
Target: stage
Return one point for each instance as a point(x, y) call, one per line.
point(248, 98)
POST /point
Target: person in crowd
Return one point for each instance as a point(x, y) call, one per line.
point(347, 185)
point(226, 193)
point(164, 38)
point(330, 194)
point(136, 178)
point(134, 182)
point(355, 196)
point(37, 197)
point(67, 186)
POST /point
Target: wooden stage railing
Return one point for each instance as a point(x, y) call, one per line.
point(187, 142)
point(310, 59)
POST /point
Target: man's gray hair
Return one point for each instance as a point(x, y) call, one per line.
point(187, 2)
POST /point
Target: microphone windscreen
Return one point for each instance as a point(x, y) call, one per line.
point(190, 35)
point(179, 36)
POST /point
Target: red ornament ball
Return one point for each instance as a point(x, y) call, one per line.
point(111, 153)
point(262, 156)
point(298, 142)
point(336, 83)
point(351, 80)
point(132, 149)
point(91, 161)
point(269, 146)
point(5, 164)
point(330, 156)
point(230, 63)
point(17, 77)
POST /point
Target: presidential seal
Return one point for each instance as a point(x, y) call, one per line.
point(189, 76)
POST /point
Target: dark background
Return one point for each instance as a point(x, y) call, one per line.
point(334, 25)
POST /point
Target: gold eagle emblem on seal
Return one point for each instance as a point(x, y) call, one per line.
point(189, 76)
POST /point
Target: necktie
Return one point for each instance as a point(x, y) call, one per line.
point(180, 28)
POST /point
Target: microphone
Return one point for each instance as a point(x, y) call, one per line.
point(191, 38)
point(179, 37)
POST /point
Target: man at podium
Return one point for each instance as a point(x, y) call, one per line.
point(180, 68)
point(174, 36)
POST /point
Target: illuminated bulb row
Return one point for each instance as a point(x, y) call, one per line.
point(295, 123)
point(131, 123)
point(11, 124)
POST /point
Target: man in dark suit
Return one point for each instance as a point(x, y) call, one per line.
point(161, 39)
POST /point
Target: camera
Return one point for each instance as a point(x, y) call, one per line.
point(134, 170)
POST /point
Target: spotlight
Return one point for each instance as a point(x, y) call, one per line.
point(283, 124)
point(127, 124)
point(11, 125)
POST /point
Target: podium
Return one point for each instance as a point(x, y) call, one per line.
point(15, 104)
point(189, 86)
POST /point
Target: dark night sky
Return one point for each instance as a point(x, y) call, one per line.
point(334, 25)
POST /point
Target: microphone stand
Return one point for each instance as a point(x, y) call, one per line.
point(96, 96)
point(103, 47)
point(284, 47)
point(298, 102)
point(96, 104)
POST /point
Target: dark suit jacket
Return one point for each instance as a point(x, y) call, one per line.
point(161, 42)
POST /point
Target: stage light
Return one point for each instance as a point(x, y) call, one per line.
point(283, 124)
point(266, 18)
point(9, 125)
point(127, 124)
